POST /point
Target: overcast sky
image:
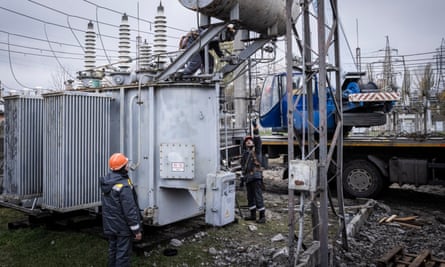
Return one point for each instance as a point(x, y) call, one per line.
point(38, 38)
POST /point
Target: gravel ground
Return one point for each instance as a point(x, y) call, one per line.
point(372, 241)
point(375, 239)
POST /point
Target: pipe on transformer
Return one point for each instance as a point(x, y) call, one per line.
point(261, 16)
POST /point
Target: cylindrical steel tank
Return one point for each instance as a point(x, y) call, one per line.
point(262, 16)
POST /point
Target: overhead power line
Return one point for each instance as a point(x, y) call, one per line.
point(82, 18)
point(52, 42)
point(405, 55)
point(41, 49)
point(49, 23)
point(38, 55)
point(12, 70)
point(54, 54)
point(100, 37)
point(38, 39)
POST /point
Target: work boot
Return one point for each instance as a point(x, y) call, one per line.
point(262, 218)
point(252, 216)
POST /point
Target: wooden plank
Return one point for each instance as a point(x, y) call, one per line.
point(410, 225)
point(389, 256)
point(390, 218)
point(404, 219)
point(419, 260)
point(382, 220)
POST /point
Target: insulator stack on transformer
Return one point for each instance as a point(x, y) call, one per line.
point(124, 44)
point(144, 54)
point(160, 38)
point(90, 48)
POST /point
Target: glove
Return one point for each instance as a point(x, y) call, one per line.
point(255, 127)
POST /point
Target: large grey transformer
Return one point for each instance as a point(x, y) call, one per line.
point(75, 149)
point(56, 146)
point(23, 147)
point(170, 133)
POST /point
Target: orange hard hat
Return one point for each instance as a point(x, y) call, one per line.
point(117, 161)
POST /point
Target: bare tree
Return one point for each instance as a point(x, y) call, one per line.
point(406, 87)
point(59, 79)
point(425, 83)
point(370, 73)
point(441, 99)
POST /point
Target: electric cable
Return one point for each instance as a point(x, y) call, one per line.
point(37, 55)
point(405, 55)
point(41, 49)
point(71, 29)
point(38, 39)
point(79, 17)
point(347, 42)
point(54, 54)
point(53, 42)
point(12, 70)
point(100, 36)
point(54, 24)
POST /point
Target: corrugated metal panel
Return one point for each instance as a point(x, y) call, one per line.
point(23, 147)
point(76, 149)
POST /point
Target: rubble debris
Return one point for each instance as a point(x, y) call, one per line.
point(397, 257)
point(354, 225)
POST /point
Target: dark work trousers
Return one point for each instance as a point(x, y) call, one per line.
point(119, 251)
point(255, 195)
point(196, 62)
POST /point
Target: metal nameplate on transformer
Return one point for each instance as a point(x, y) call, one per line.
point(177, 161)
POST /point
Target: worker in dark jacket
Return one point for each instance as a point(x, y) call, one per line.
point(197, 60)
point(120, 211)
point(251, 163)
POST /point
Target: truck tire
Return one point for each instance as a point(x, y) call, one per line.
point(361, 179)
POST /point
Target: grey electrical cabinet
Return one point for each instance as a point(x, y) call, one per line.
point(220, 198)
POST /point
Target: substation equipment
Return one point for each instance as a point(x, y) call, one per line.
point(57, 145)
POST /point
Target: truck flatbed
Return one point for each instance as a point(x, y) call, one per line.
point(370, 163)
point(380, 141)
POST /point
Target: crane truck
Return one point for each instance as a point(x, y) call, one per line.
point(370, 164)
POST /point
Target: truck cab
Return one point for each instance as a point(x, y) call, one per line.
point(362, 105)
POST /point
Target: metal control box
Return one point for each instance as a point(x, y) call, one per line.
point(303, 175)
point(220, 198)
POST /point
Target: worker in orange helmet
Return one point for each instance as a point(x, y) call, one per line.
point(252, 171)
point(120, 211)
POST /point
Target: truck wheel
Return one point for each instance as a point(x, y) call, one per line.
point(361, 179)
